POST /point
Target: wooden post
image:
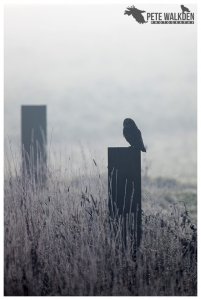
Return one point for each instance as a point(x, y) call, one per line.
point(34, 139)
point(124, 188)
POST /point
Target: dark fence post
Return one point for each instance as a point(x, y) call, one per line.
point(124, 189)
point(34, 140)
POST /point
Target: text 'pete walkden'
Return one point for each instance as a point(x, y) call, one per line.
point(170, 18)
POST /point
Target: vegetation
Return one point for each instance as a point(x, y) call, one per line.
point(59, 241)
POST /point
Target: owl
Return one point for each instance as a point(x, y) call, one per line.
point(133, 135)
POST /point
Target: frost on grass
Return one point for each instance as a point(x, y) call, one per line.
point(58, 239)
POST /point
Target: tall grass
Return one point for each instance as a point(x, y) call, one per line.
point(58, 241)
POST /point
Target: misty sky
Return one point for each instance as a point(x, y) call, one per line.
point(93, 66)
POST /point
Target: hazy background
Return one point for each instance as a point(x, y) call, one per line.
point(93, 66)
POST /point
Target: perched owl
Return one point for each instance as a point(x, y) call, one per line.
point(133, 135)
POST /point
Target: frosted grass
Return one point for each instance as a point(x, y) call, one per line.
point(58, 238)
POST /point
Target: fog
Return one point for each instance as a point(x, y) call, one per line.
point(93, 66)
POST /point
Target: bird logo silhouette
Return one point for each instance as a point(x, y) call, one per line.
point(136, 13)
point(133, 135)
point(184, 9)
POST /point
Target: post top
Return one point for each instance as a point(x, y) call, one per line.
point(123, 149)
point(34, 106)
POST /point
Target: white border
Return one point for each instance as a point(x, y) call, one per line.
point(1, 148)
point(94, 2)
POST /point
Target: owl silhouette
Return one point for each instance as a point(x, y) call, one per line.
point(133, 135)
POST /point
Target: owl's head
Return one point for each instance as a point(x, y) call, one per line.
point(129, 123)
